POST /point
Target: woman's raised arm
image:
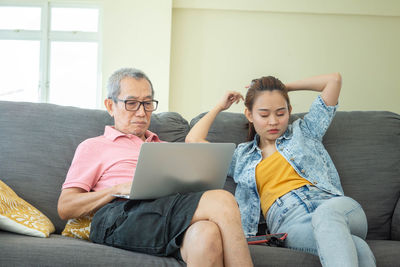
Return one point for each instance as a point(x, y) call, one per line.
point(328, 84)
point(199, 131)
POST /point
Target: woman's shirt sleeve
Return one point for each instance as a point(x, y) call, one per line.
point(316, 122)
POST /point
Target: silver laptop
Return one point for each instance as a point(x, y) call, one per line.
point(167, 168)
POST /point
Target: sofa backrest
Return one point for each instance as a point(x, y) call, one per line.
point(38, 142)
point(365, 147)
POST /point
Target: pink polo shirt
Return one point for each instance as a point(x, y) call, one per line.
point(106, 160)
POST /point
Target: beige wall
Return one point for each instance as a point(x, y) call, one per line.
point(222, 45)
point(137, 33)
point(195, 50)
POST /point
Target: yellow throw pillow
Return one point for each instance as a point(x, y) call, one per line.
point(18, 216)
point(78, 228)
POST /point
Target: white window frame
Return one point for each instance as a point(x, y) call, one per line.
point(45, 36)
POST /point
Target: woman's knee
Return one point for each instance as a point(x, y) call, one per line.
point(344, 210)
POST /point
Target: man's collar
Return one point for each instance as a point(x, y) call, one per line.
point(112, 134)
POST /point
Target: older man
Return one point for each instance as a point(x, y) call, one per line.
point(202, 229)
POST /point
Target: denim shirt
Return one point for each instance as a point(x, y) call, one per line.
point(301, 145)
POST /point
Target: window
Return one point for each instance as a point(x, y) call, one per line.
point(48, 57)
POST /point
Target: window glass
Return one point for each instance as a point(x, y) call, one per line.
point(40, 61)
point(19, 68)
point(20, 18)
point(74, 19)
point(73, 74)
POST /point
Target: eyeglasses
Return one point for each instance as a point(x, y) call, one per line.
point(134, 105)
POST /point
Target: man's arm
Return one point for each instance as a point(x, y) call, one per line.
point(75, 202)
point(328, 84)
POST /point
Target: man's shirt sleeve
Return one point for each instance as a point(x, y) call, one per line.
point(85, 169)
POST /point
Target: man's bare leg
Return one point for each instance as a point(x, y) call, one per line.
point(202, 245)
point(220, 208)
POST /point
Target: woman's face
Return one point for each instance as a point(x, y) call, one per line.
point(270, 115)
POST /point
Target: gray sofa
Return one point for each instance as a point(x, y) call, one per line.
point(38, 141)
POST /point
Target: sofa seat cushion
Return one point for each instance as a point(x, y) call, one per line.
point(19, 250)
point(38, 142)
point(275, 256)
point(386, 253)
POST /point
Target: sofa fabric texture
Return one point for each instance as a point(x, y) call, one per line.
point(38, 142)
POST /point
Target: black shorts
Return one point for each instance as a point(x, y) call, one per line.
point(153, 227)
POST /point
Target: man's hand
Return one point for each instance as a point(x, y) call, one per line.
point(123, 189)
point(75, 202)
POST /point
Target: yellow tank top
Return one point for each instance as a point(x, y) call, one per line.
point(275, 177)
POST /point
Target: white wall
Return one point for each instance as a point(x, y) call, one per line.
point(222, 45)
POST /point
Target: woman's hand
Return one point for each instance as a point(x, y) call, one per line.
point(228, 99)
point(199, 131)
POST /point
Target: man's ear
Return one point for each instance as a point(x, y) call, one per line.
point(109, 103)
point(290, 109)
point(248, 115)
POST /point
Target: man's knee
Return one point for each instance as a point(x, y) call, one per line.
point(222, 202)
point(203, 238)
point(218, 206)
point(221, 198)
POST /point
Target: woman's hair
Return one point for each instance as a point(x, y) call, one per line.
point(258, 86)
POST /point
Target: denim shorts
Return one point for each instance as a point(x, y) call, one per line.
point(153, 227)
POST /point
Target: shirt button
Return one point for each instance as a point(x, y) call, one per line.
point(279, 142)
point(303, 171)
point(315, 182)
point(291, 159)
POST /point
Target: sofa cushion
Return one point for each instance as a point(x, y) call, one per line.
point(78, 227)
point(386, 252)
point(364, 145)
point(228, 127)
point(18, 216)
point(38, 142)
point(169, 126)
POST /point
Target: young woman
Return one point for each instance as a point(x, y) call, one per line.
point(286, 171)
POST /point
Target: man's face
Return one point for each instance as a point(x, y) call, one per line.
point(131, 122)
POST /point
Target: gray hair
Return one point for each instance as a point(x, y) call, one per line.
point(114, 82)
